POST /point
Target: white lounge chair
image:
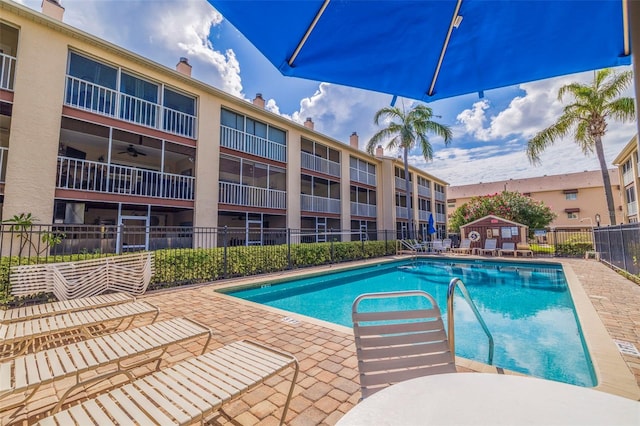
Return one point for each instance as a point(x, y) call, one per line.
point(21, 377)
point(17, 338)
point(185, 393)
point(465, 247)
point(524, 250)
point(24, 313)
point(446, 244)
point(490, 247)
point(437, 246)
point(393, 346)
point(507, 248)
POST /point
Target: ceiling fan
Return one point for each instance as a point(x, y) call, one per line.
point(132, 151)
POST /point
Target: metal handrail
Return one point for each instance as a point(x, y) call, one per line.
point(457, 282)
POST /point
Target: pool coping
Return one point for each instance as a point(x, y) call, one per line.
point(612, 373)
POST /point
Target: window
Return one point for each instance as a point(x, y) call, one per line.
point(231, 119)
point(572, 215)
point(138, 88)
point(92, 71)
point(438, 188)
point(571, 196)
point(179, 102)
point(626, 167)
point(630, 194)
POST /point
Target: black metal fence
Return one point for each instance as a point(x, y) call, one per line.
point(187, 255)
point(619, 246)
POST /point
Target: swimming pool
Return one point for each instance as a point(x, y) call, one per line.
point(527, 307)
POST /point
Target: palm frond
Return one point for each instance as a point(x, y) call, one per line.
point(583, 138)
point(547, 137)
point(622, 109)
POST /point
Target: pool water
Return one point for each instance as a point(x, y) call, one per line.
point(527, 308)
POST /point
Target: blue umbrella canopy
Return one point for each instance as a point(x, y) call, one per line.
point(429, 50)
point(431, 229)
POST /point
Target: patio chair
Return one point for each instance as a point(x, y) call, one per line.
point(137, 347)
point(187, 392)
point(446, 244)
point(17, 338)
point(490, 247)
point(507, 248)
point(437, 246)
point(54, 308)
point(465, 247)
point(397, 345)
point(524, 250)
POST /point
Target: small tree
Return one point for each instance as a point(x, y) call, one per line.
point(508, 205)
point(22, 226)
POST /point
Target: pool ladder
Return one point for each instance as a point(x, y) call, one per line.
point(457, 282)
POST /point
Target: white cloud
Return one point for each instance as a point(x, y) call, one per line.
point(474, 120)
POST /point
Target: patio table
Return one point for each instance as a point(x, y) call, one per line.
point(491, 399)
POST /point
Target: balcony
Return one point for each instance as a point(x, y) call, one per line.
point(424, 191)
point(401, 183)
point(310, 203)
point(251, 144)
point(402, 213)
point(632, 208)
point(84, 175)
point(7, 71)
point(3, 161)
point(111, 103)
point(440, 196)
point(251, 196)
point(423, 215)
point(441, 217)
point(363, 177)
point(361, 209)
point(319, 164)
point(627, 177)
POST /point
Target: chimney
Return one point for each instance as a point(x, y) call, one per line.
point(259, 100)
point(183, 67)
point(309, 123)
point(379, 151)
point(353, 140)
point(52, 9)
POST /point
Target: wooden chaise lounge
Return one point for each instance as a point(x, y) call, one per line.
point(21, 377)
point(24, 313)
point(16, 338)
point(187, 392)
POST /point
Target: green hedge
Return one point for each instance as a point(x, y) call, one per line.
point(573, 249)
point(175, 267)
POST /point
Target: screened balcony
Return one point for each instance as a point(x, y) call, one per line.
point(319, 164)
point(632, 208)
point(402, 213)
point(311, 203)
point(363, 176)
point(102, 100)
point(94, 176)
point(424, 191)
point(361, 209)
point(3, 163)
point(252, 144)
point(251, 196)
point(7, 71)
point(440, 196)
point(441, 217)
point(423, 215)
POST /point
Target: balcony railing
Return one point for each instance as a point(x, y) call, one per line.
point(400, 183)
point(84, 175)
point(441, 217)
point(363, 176)
point(632, 208)
point(251, 144)
point(402, 213)
point(7, 71)
point(361, 209)
point(627, 177)
point(3, 156)
point(310, 203)
point(104, 101)
point(319, 164)
point(251, 196)
point(423, 215)
point(424, 191)
point(440, 196)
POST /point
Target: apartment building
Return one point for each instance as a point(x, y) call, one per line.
point(629, 175)
point(577, 198)
point(102, 136)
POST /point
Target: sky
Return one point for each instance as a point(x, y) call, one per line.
point(489, 134)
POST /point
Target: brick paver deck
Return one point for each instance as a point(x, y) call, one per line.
point(327, 386)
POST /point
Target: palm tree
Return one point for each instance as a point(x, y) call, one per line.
point(586, 119)
point(406, 130)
